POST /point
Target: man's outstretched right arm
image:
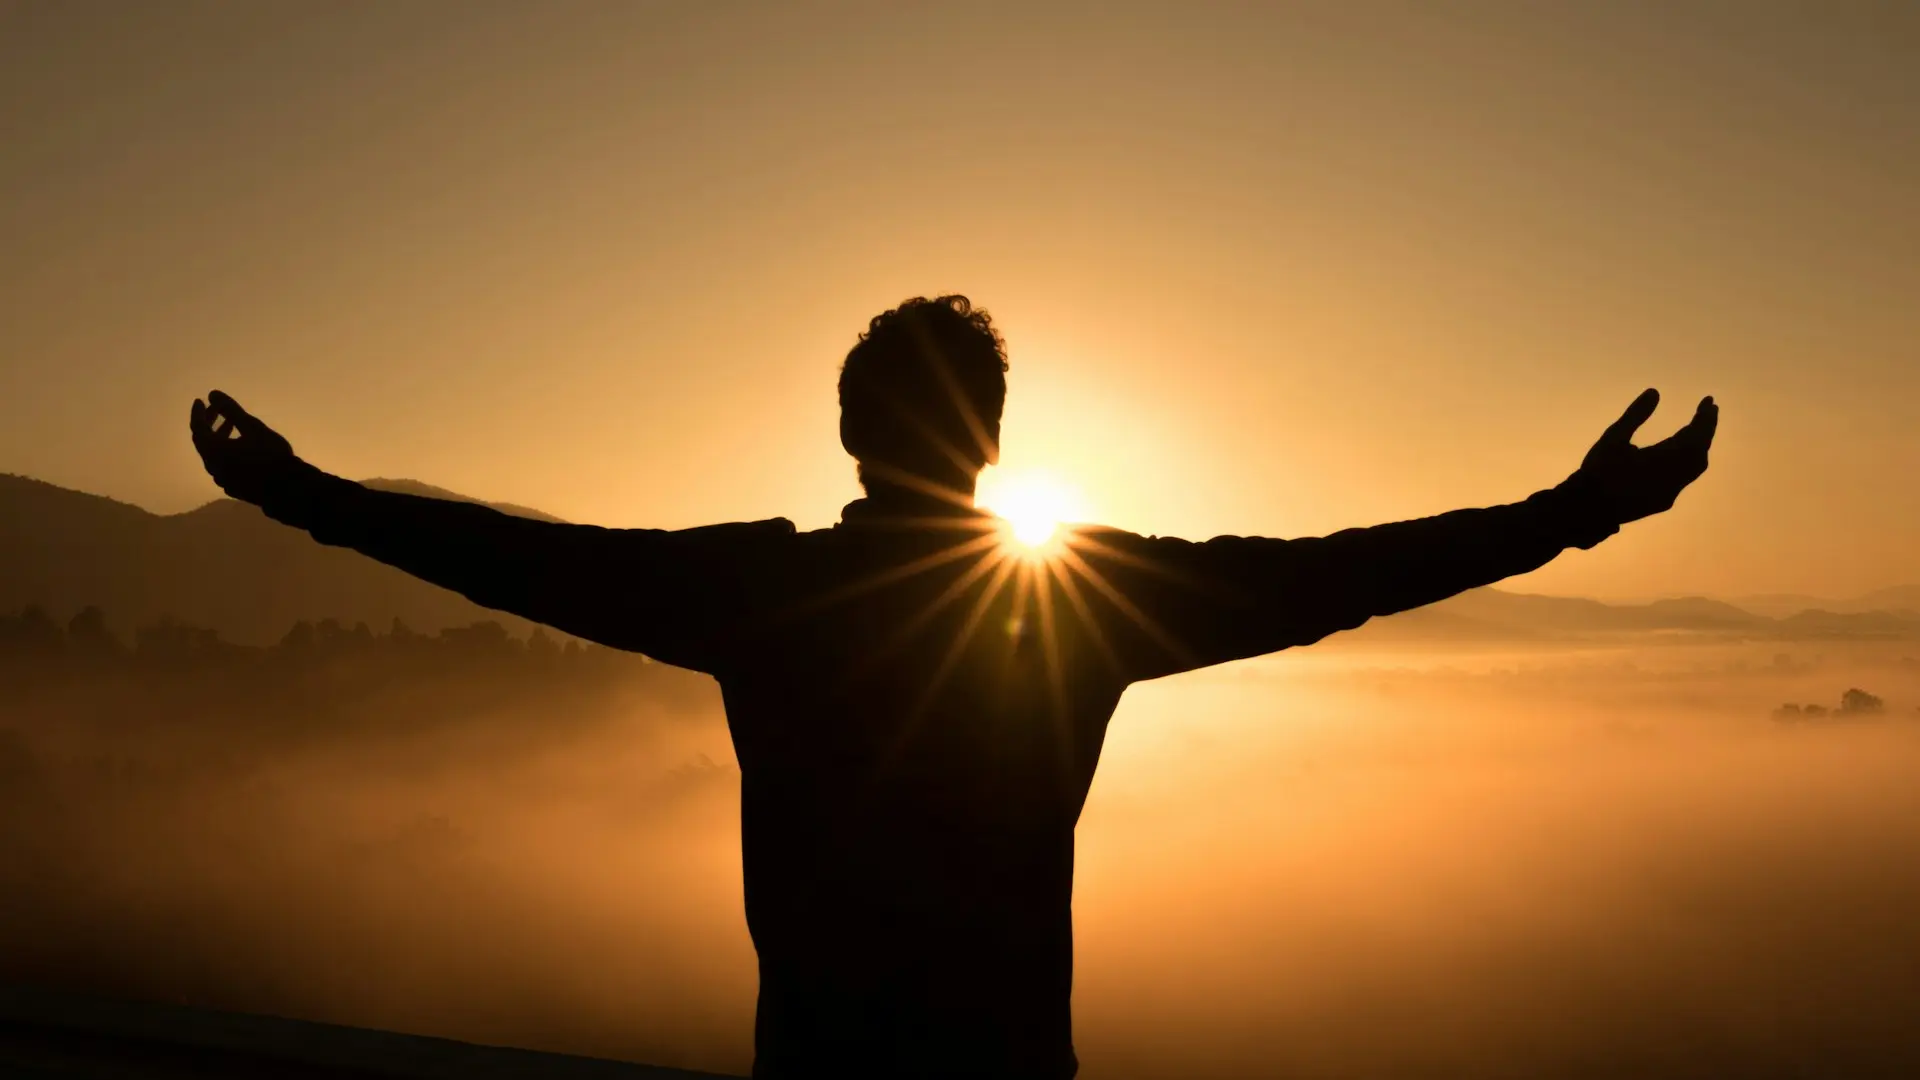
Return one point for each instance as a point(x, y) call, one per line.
point(1181, 605)
point(639, 589)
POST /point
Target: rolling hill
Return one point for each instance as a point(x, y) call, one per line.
point(224, 565)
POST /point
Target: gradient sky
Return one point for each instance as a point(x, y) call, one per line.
point(1267, 269)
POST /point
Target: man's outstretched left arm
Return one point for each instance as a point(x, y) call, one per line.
point(1183, 605)
point(647, 590)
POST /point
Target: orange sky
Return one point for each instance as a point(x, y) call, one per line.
point(1268, 269)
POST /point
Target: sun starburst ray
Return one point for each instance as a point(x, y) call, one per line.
point(1088, 624)
point(1062, 714)
point(962, 403)
point(990, 559)
point(1088, 542)
point(984, 542)
point(1127, 607)
point(948, 661)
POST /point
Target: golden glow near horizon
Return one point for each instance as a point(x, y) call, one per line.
point(1277, 270)
point(1033, 502)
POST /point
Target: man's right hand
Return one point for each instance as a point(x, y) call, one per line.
point(249, 460)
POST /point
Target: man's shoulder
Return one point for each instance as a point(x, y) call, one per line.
point(744, 531)
point(1091, 540)
point(731, 544)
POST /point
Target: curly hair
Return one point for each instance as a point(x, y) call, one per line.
point(923, 389)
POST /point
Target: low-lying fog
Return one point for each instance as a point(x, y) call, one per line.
point(1325, 864)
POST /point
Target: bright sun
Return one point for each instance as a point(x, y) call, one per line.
point(1034, 503)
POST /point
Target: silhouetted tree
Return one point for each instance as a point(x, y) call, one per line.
point(480, 638)
point(171, 640)
point(328, 634)
point(32, 630)
point(541, 646)
point(1859, 701)
point(88, 633)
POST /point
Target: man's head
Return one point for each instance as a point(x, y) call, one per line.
point(921, 394)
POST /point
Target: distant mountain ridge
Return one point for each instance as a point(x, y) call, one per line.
point(223, 565)
point(1498, 615)
point(415, 487)
point(1898, 598)
point(227, 566)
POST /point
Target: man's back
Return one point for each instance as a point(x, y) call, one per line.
point(917, 718)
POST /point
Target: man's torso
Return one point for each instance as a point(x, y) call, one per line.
point(917, 713)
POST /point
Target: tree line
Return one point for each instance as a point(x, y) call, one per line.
point(34, 634)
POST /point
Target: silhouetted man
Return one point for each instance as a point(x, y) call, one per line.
point(917, 704)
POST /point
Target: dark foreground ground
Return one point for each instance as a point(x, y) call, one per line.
point(45, 1034)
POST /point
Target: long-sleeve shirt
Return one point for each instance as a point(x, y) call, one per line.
point(917, 706)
